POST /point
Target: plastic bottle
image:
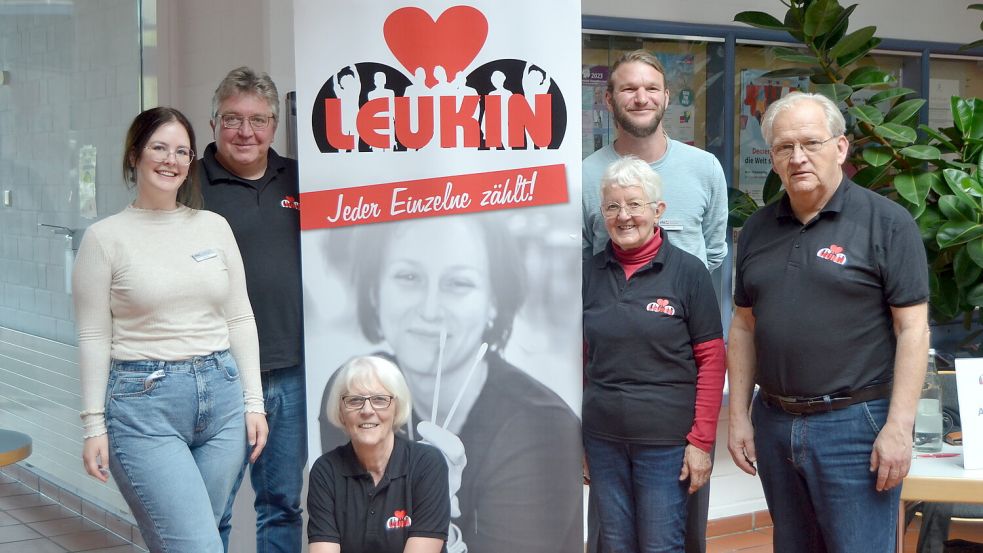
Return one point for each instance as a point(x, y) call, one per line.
point(928, 419)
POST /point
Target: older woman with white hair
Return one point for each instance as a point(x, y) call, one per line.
point(655, 369)
point(378, 493)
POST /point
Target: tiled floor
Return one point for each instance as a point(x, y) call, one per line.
point(759, 541)
point(31, 522)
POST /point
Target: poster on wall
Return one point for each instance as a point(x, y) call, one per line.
point(679, 122)
point(439, 151)
point(596, 122)
point(757, 93)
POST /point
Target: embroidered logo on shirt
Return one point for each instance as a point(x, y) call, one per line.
point(661, 305)
point(290, 202)
point(833, 253)
point(399, 520)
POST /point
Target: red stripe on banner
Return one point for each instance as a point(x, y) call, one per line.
point(396, 201)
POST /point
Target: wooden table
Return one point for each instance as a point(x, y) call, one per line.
point(14, 446)
point(940, 479)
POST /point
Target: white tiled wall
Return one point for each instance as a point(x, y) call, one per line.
point(74, 78)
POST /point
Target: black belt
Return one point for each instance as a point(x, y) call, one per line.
point(822, 404)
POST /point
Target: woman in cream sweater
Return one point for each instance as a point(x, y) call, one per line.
point(168, 350)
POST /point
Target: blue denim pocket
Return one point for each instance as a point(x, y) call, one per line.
point(875, 414)
point(127, 384)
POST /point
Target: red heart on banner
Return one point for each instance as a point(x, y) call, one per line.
point(451, 42)
point(835, 249)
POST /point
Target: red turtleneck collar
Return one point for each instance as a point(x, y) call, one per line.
point(632, 260)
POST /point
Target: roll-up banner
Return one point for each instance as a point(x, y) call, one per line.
point(439, 151)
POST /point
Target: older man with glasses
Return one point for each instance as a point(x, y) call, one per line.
point(256, 190)
point(831, 322)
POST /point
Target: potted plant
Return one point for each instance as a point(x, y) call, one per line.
point(934, 173)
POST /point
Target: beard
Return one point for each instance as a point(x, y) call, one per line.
point(638, 131)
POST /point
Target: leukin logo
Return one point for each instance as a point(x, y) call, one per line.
point(501, 104)
point(399, 520)
point(833, 253)
point(661, 305)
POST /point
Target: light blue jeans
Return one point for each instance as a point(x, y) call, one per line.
point(176, 436)
point(815, 473)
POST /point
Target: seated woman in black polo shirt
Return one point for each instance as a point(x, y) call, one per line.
point(379, 493)
point(655, 368)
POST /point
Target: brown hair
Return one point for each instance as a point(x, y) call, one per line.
point(640, 56)
point(139, 133)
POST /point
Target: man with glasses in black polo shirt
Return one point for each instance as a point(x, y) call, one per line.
point(831, 321)
point(247, 182)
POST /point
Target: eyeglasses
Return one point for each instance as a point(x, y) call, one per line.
point(785, 150)
point(354, 403)
point(612, 210)
point(234, 121)
point(159, 154)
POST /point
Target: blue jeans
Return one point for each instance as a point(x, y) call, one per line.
point(641, 502)
point(278, 475)
point(176, 436)
point(815, 471)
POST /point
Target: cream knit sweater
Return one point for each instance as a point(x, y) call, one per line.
point(162, 285)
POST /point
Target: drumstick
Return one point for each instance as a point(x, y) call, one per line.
point(481, 355)
point(440, 369)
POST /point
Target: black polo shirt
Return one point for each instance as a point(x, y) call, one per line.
point(641, 372)
point(821, 293)
point(411, 500)
point(265, 218)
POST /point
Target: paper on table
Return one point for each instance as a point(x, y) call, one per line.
point(969, 384)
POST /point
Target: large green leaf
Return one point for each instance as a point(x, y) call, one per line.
point(912, 186)
point(918, 151)
point(975, 250)
point(867, 114)
point(963, 185)
point(904, 111)
point(941, 138)
point(966, 271)
point(867, 76)
point(835, 91)
point(853, 41)
point(872, 176)
point(821, 16)
point(760, 20)
point(967, 113)
point(772, 190)
point(956, 210)
point(847, 59)
point(794, 56)
point(740, 206)
point(896, 132)
point(877, 155)
point(958, 232)
point(974, 296)
point(836, 34)
point(929, 223)
point(889, 94)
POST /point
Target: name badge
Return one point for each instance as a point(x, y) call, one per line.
point(669, 224)
point(203, 255)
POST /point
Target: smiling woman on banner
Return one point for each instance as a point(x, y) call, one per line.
point(379, 493)
point(442, 294)
point(655, 368)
